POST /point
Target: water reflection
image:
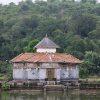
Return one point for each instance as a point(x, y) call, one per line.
point(71, 95)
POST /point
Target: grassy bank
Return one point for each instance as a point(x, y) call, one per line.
point(91, 79)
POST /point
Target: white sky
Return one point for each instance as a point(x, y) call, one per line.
point(15, 1)
point(8, 1)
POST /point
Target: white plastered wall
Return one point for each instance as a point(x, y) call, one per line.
point(57, 73)
point(17, 73)
point(33, 73)
point(42, 74)
point(64, 73)
point(74, 72)
point(49, 50)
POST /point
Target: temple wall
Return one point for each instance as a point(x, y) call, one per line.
point(29, 73)
point(42, 74)
point(64, 73)
point(33, 73)
point(24, 65)
point(17, 73)
point(57, 73)
point(74, 72)
point(50, 65)
point(77, 71)
point(38, 71)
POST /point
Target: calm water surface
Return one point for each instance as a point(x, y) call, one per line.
point(70, 95)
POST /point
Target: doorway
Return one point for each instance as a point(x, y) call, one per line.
point(50, 73)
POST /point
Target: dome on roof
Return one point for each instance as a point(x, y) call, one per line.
point(46, 43)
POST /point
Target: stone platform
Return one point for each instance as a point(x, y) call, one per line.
point(54, 88)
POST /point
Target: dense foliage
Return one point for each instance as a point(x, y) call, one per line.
point(75, 26)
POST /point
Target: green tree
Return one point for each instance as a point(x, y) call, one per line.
point(30, 47)
point(94, 59)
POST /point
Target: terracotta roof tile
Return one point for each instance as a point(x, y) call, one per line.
point(46, 57)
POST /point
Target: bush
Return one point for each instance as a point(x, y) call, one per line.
point(5, 86)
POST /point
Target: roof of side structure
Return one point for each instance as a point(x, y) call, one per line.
point(46, 43)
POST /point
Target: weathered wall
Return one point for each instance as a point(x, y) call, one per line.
point(57, 73)
point(42, 74)
point(49, 65)
point(29, 73)
point(69, 73)
point(38, 71)
point(33, 73)
point(74, 72)
point(64, 73)
point(17, 73)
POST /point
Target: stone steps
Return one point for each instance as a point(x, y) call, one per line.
point(54, 88)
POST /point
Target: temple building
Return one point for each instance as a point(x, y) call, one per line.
point(46, 64)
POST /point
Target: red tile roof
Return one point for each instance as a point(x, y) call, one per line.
point(46, 57)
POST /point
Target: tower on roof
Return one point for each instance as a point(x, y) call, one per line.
point(46, 45)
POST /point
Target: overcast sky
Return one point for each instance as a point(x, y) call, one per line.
point(8, 1)
point(15, 1)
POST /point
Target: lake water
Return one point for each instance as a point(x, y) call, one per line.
point(69, 95)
